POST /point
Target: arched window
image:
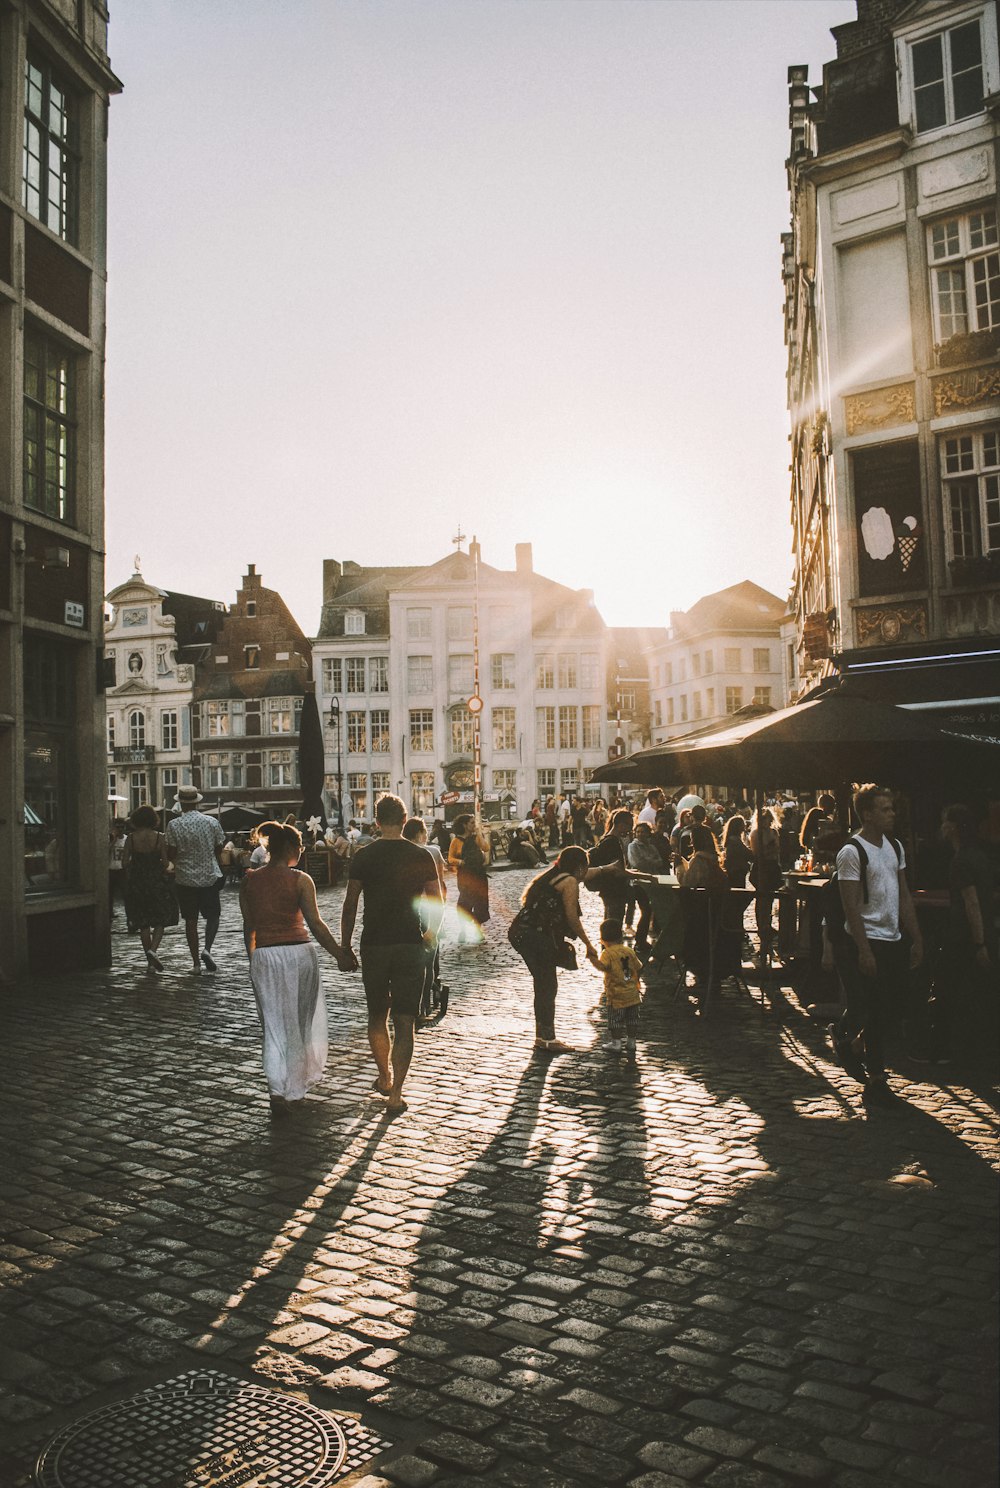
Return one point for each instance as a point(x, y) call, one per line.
point(137, 729)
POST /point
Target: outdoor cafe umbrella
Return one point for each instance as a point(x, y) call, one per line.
point(312, 759)
point(827, 740)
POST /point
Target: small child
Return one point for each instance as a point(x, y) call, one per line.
point(622, 995)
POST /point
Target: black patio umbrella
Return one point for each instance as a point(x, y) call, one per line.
point(239, 818)
point(827, 740)
point(312, 759)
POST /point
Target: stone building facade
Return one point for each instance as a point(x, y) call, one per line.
point(394, 663)
point(721, 655)
point(55, 89)
point(153, 641)
point(892, 323)
point(247, 704)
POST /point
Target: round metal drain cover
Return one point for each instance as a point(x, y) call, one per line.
point(200, 1430)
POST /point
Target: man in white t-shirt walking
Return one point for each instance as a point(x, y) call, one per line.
point(872, 957)
point(194, 846)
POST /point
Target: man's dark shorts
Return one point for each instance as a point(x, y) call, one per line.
point(394, 977)
point(195, 902)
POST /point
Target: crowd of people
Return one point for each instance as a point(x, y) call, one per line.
point(625, 854)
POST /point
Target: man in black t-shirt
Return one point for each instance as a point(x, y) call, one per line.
point(399, 881)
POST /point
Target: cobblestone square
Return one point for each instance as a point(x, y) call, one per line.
point(711, 1267)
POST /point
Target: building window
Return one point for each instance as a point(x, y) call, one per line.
point(546, 782)
point(502, 671)
point(965, 274)
point(684, 708)
point(215, 716)
point(697, 704)
point(948, 76)
point(668, 674)
point(380, 730)
point(357, 796)
point(50, 756)
point(710, 702)
point(505, 780)
point(354, 622)
point(421, 792)
point(422, 730)
point(590, 670)
point(696, 664)
point(626, 700)
point(168, 730)
point(762, 696)
point(354, 674)
point(544, 673)
point(569, 780)
point(734, 699)
point(709, 663)
point(216, 770)
point(49, 428)
point(418, 625)
point(504, 730)
point(658, 713)
point(569, 733)
point(279, 767)
point(762, 658)
point(357, 734)
point(567, 672)
point(50, 184)
point(378, 674)
point(461, 731)
point(236, 769)
point(111, 733)
point(591, 730)
point(460, 676)
point(251, 658)
point(251, 609)
point(656, 675)
point(733, 659)
point(138, 789)
point(137, 730)
point(682, 669)
point(459, 623)
point(419, 674)
point(332, 675)
point(545, 728)
point(380, 782)
point(971, 472)
point(279, 715)
point(670, 710)
point(169, 782)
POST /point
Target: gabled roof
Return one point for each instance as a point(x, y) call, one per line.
point(741, 607)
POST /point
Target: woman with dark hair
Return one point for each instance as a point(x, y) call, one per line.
point(817, 821)
point(550, 911)
point(607, 872)
point(150, 904)
point(279, 909)
point(765, 875)
point(736, 854)
point(473, 884)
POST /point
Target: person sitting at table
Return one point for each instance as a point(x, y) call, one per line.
point(818, 821)
point(702, 870)
point(736, 854)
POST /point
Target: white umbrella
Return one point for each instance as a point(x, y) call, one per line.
point(686, 802)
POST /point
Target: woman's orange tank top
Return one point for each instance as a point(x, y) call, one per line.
point(273, 894)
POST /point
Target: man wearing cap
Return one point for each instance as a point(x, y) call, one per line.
point(194, 846)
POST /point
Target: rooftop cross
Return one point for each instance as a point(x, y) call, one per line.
point(459, 538)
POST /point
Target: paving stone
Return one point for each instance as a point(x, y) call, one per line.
point(459, 1451)
point(682, 1462)
point(412, 1472)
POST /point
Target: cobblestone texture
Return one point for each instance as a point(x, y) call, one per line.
point(549, 1272)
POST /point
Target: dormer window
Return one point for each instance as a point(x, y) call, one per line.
point(948, 76)
point(251, 609)
point(354, 622)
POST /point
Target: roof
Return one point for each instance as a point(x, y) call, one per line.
point(252, 685)
point(741, 607)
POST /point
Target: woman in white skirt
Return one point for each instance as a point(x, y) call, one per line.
point(279, 909)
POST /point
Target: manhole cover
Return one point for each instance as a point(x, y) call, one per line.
point(206, 1430)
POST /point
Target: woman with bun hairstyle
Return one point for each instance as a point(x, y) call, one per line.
point(279, 909)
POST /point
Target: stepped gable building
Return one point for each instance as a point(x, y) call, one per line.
point(892, 323)
point(153, 641)
point(394, 668)
point(247, 704)
point(630, 710)
point(55, 89)
point(721, 655)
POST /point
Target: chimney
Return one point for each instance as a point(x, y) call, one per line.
point(331, 575)
point(522, 558)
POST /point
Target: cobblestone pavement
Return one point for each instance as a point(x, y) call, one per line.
point(710, 1268)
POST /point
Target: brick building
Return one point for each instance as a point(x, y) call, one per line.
point(247, 704)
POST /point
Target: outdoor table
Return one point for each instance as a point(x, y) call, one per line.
point(800, 915)
point(720, 911)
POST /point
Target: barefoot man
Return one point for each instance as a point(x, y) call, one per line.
point(399, 880)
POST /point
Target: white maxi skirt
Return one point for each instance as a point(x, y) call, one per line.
point(293, 1016)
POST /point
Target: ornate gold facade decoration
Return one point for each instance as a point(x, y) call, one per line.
point(866, 413)
point(886, 625)
point(966, 389)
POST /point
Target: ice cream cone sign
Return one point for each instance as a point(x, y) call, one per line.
point(908, 540)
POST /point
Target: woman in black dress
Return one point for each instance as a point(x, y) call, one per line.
point(150, 904)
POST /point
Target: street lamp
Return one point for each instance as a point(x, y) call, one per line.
point(335, 724)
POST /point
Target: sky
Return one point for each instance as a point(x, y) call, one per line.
point(382, 272)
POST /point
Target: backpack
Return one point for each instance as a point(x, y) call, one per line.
point(833, 905)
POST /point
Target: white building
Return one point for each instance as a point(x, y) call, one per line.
point(395, 659)
point(148, 688)
point(722, 654)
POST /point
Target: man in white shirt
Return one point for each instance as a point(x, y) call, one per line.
point(655, 801)
point(194, 846)
point(872, 957)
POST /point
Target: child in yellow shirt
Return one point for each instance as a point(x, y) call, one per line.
point(622, 994)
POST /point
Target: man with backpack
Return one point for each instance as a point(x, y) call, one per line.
point(873, 959)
